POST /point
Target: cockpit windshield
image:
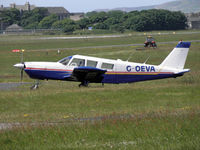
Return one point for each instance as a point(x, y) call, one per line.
point(65, 60)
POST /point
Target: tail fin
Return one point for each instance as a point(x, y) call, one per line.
point(176, 59)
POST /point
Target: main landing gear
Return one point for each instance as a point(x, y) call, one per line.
point(84, 84)
point(36, 85)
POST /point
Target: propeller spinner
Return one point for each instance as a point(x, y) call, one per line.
point(20, 66)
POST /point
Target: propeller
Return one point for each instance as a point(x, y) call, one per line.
point(21, 66)
point(22, 74)
point(22, 62)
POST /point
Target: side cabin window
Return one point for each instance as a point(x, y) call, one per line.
point(91, 63)
point(77, 62)
point(107, 66)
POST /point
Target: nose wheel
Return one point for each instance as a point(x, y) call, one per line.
point(35, 86)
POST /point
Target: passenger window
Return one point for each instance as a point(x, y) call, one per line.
point(91, 63)
point(77, 62)
point(107, 66)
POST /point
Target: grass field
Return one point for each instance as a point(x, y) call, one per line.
point(162, 114)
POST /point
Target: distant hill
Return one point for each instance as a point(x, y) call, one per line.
point(186, 6)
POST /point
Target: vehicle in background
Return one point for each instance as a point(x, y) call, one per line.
point(150, 42)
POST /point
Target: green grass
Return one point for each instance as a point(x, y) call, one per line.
point(154, 131)
point(35, 42)
point(165, 113)
point(68, 100)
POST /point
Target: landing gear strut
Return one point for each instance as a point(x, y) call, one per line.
point(35, 86)
point(84, 84)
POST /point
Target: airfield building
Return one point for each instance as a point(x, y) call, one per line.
point(76, 16)
point(193, 20)
point(61, 12)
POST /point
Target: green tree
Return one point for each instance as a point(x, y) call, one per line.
point(101, 26)
point(155, 20)
point(39, 13)
point(98, 17)
point(90, 14)
point(67, 25)
point(68, 29)
point(117, 15)
point(11, 16)
point(83, 23)
point(118, 28)
point(47, 22)
point(111, 21)
point(31, 19)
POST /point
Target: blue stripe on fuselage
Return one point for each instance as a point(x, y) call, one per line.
point(120, 78)
point(46, 74)
point(108, 78)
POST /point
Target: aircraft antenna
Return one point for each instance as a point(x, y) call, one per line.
point(130, 56)
point(146, 60)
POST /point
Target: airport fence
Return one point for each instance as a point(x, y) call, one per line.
point(31, 31)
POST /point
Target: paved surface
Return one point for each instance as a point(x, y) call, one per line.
point(67, 121)
point(4, 126)
point(115, 36)
point(12, 85)
point(83, 37)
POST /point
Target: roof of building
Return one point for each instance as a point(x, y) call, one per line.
point(14, 27)
point(57, 10)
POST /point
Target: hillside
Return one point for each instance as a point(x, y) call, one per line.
point(186, 6)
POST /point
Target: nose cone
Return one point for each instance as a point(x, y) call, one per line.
point(19, 65)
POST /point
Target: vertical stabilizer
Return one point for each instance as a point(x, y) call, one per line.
point(176, 59)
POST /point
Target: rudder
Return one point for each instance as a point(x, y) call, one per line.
point(176, 59)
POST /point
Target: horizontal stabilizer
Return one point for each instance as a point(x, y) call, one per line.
point(184, 71)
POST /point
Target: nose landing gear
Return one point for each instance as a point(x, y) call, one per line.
point(35, 86)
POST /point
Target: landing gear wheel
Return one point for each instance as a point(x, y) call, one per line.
point(35, 86)
point(84, 84)
point(81, 85)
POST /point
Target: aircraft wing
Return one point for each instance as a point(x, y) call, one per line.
point(90, 74)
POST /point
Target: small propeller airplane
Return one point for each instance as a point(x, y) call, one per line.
point(87, 69)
